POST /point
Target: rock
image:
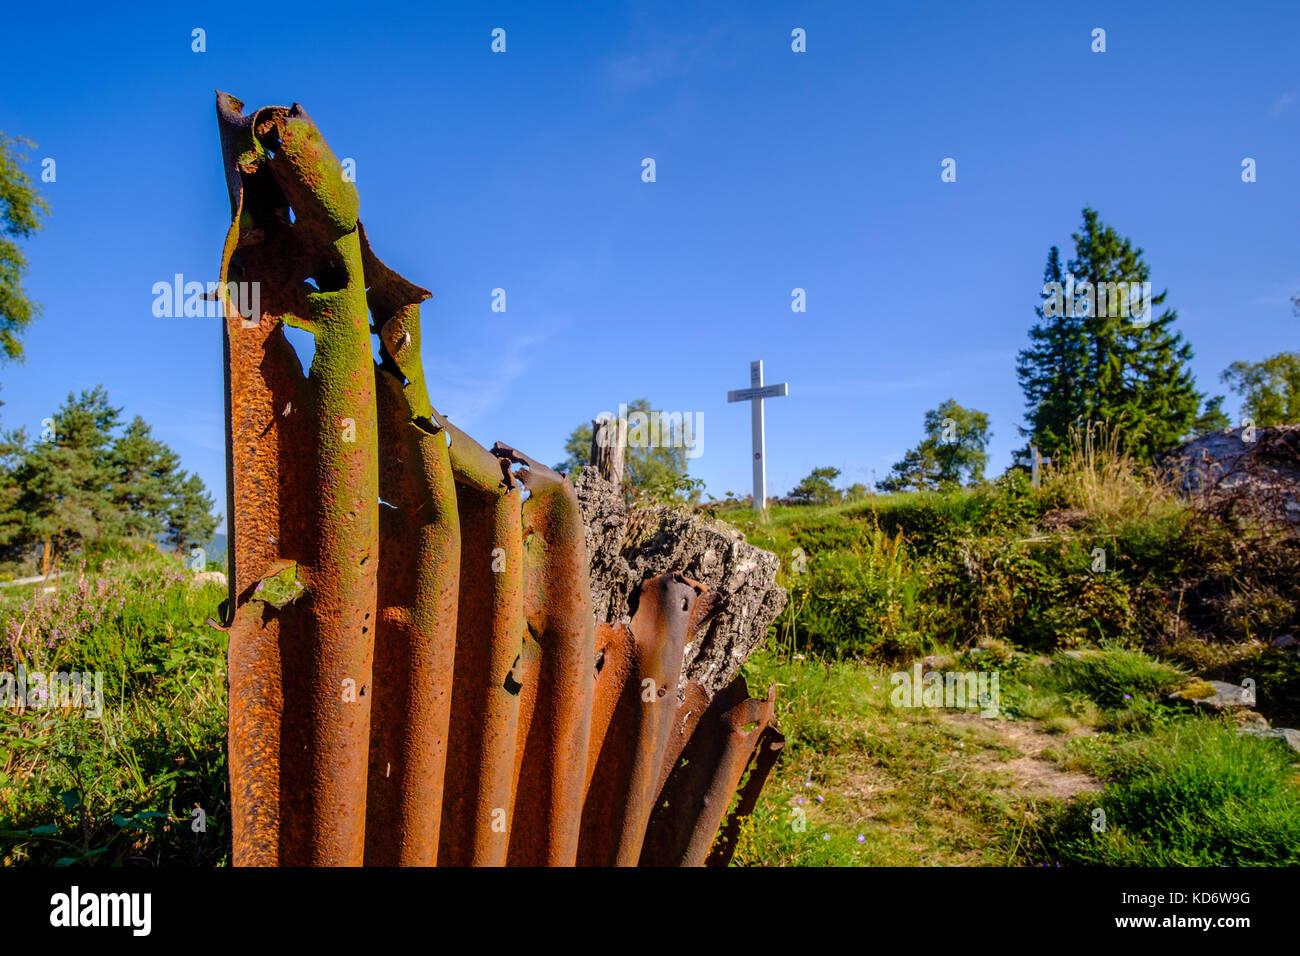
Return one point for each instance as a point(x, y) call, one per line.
point(205, 576)
point(1246, 718)
point(1290, 737)
point(1214, 694)
point(1260, 478)
point(626, 547)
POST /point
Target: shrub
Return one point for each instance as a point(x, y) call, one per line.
point(863, 601)
point(1095, 474)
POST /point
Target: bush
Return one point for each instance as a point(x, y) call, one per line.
point(861, 602)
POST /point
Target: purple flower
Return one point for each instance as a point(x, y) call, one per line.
point(1128, 696)
point(820, 798)
point(861, 838)
point(826, 836)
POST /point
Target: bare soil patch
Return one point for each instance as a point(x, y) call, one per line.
point(1033, 774)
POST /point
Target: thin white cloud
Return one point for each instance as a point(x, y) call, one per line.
point(467, 386)
point(671, 57)
point(1282, 102)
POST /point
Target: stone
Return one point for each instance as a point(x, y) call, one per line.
point(1259, 478)
point(626, 546)
point(1213, 694)
point(1288, 736)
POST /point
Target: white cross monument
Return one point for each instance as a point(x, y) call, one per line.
point(755, 394)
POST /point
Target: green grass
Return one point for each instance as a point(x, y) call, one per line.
point(1194, 793)
point(864, 783)
point(1112, 688)
point(917, 789)
point(120, 789)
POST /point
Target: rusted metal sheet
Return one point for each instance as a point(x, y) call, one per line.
point(697, 794)
point(436, 689)
point(630, 753)
point(478, 802)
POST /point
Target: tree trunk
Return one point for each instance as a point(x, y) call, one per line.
point(608, 443)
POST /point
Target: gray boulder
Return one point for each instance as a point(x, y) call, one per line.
point(1255, 473)
point(1290, 737)
point(1215, 695)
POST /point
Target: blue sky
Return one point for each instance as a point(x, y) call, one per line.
point(775, 170)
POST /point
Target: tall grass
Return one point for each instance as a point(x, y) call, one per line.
point(1097, 475)
point(863, 601)
point(122, 788)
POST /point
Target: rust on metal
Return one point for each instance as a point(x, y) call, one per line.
point(436, 691)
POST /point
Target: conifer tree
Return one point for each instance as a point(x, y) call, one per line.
point(66, 477)
point(190, 520)
point(144, 480)
point(1090, 361)
point(1051, 370)
point(953, 450)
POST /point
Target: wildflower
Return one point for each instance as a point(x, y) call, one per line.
point(1128, 696)
point(826, 836)
point(861, 838)
point(820, 798)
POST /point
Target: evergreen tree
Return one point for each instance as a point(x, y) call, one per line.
point(13, 451)
point(66, 478)
point(1094, 363)
point(817, 488)
point(190, 520)
point(144, 480)
point(79, 481)
point(1052, 369)
point(1213, 418)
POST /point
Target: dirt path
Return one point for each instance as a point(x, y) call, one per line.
point(1033, 774)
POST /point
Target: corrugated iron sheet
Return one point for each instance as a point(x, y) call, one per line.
point(436, 689)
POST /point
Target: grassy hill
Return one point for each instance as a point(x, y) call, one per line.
point(1092, 598)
